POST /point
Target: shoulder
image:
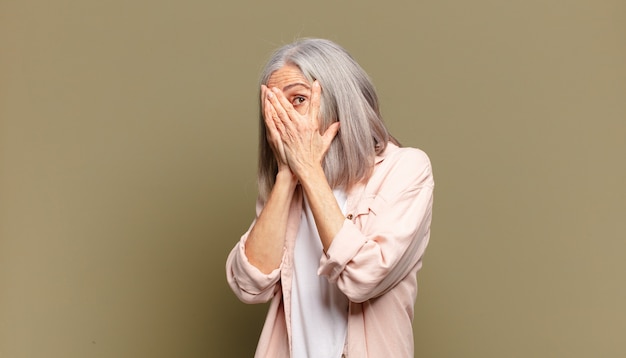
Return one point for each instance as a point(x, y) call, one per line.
point(407, 160)
point(394, 153)
point(403, 167)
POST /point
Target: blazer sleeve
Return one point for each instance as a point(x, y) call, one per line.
point(248, 283)
point(369, 258)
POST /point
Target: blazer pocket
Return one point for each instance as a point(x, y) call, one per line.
point(370, 206)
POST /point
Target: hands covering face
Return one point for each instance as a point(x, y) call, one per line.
point(294, 134)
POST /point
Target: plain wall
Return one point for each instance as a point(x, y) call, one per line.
point(128, 136)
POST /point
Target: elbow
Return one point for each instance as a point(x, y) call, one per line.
point(249, 297)
point(252, 299)
point(359, 292)
point(360, 298)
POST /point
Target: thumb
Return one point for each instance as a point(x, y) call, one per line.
point(330, 133)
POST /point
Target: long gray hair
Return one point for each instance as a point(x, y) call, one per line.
point(348, 96)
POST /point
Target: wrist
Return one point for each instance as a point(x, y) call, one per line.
point(311, 175)
point(285, 176)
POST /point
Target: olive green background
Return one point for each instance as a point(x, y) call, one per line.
point(128, 137)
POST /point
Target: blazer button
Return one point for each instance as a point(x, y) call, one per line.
point(349, 216)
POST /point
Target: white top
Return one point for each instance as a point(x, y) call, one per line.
point(319, 309)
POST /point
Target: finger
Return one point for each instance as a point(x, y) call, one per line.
point(314, 108)
point(263, 97)
point(283, 122)
point(269, 119)
point(330, 134)
point(274, 121)
point(285, 110)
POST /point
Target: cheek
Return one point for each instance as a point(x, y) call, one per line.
point(303, 108)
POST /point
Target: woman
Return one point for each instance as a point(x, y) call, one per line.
point(343, 215)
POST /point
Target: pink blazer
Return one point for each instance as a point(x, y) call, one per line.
point(374, 260)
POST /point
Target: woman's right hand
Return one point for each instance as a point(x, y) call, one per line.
point(273, 136)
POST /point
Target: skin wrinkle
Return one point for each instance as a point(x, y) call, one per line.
point(292, 126)
point(375, 251)
point(297, 124)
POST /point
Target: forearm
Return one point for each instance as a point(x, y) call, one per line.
point(326, 212)
point(264, 246)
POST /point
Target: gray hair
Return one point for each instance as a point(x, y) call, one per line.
point(348, 96)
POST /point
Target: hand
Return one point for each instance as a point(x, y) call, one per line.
point(303, 145)
point(273, 137)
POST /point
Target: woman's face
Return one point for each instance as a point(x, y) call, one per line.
point(293, 84)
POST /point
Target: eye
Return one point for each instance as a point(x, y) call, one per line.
point(298, 100)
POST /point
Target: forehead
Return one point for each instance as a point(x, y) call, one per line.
point(286, 75)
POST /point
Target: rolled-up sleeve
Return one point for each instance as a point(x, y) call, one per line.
point(389, 234)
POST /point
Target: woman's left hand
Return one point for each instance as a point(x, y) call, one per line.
point(304, 145)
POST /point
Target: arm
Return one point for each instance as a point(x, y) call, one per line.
point(365, 260)
point(250, 283)
point(252, 268)
point(264, 246)
point(390, 232)
point(304, 149)
point(326, 212)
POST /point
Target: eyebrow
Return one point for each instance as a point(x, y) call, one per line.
point(294, 85)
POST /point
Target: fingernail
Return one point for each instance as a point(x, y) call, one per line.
point(270, 95)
